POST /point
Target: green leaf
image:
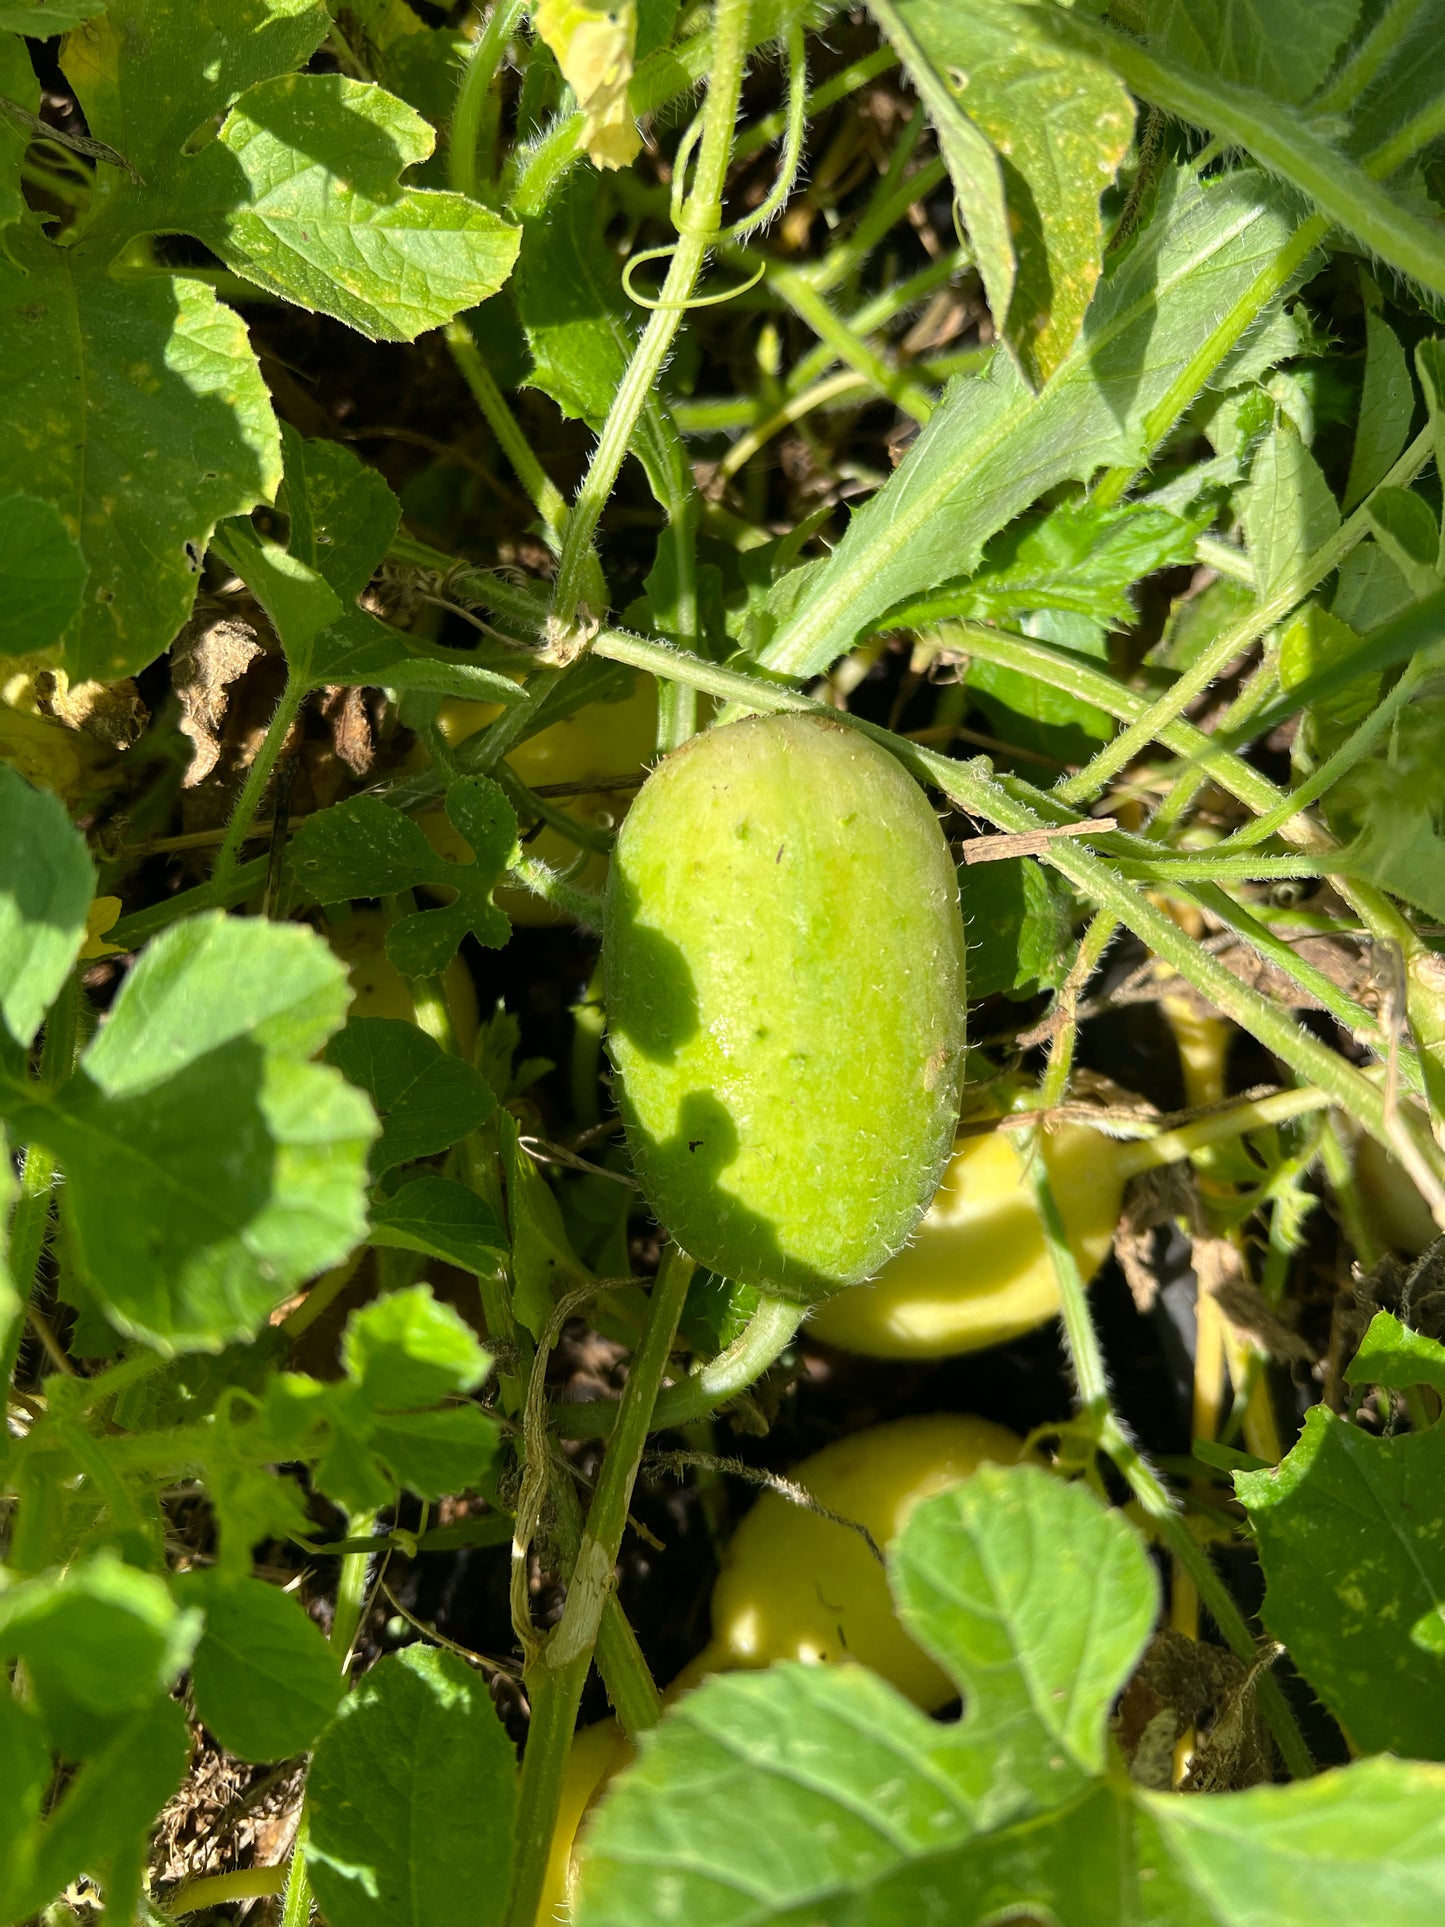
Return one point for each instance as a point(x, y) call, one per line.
point(1018, 918)
point(1430, 367)
point(301, 194)
point(426, 1098)
point(265, 1680)
point(364, 848)
point(444, 1220)
point(1279, 137)
point(410, 1799)
point(1396, 804)
point(46, 884)
point(154, 72)
point(41, 18)
point(42, 575)
point(140, 415)
point(1392, 1355)
point(103, 1819)
point(100, 1641)
point(1287, 508)
point(438, 1453)
point(1352, 1540)
point(208, 982)
point(1314, 641)
point(1056, 124)
point(1386, 406)
point(971, 1586)
point(1283, 47)
point(211, 1168)
point(1366, 1844)
point(1077, 558)
point(544, 1265)
point(1407, 530)
point(17, 84)
point(25, 1773)
point(342, 513)
point(1174, 304)
point(407, 1350)
point(1039, 1602)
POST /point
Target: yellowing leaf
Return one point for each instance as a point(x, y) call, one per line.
point(102, 916)
point(594, 47)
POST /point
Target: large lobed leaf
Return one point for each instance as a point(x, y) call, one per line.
point(136, 407)
point(1039, 1601)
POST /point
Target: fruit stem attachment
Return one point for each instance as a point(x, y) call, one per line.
point(556, 1675)
point(767, 1334)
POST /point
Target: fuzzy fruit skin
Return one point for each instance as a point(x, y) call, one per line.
point(797, 1586)
point(978, 1272)
point(784, 965)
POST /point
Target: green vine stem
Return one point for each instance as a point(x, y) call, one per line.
point(475, 111)
point(221, 1889)
point(701, 217)
point(1102, 1425)
point(760, 1344)
point(542, 491)
point(257, 777)
point(296, 1907)
point(556, 1675)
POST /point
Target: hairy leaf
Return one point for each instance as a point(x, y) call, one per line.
point(1287, 508)
point(1179, 300)
point(1283, 47)
point(426, 1098)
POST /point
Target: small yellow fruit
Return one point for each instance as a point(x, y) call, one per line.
point(378, 988)
point(797, 1586)
point(597, 1753)
point(978, 1271)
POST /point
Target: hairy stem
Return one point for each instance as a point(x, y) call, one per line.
point(701, 220)
point(556, 1676)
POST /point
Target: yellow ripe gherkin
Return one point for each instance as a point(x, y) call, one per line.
point(594, 41)
point(784, 964)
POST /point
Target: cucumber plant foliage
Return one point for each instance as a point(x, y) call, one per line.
point(1007, 439)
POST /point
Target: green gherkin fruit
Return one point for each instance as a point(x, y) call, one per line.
point(784, 964)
